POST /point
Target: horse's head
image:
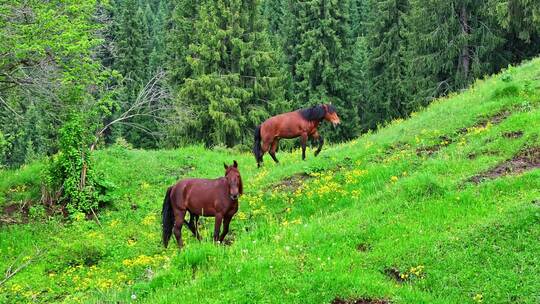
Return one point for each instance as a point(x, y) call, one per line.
point(330, 114)
point(235, 181)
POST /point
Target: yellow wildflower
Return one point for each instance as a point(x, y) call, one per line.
point(16, 288)
point(149, 220)
point(478, 298)
point(241, 215)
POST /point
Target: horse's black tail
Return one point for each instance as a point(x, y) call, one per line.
point(257, 144)
point(167, 218)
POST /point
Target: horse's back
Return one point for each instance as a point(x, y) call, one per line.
point(286, 125)
point(198, 195)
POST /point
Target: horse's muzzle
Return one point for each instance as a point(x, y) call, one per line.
point(234, 197)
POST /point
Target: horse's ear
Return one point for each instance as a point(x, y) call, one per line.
point(235, 164)
point(225, 165)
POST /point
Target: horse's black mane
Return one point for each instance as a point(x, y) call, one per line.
point(316, 113)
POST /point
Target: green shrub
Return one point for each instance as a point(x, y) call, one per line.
point(123, 143)
point(37, 212)
point(81, 253)
point(70, 173)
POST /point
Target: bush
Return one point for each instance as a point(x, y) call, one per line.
point(123, 143)
point(69, 175)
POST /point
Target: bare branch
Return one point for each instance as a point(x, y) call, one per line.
point(151, 93)
point(10, 108)
point(9, 273)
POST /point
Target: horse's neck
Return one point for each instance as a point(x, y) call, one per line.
point(222, 180)
point(315, 123)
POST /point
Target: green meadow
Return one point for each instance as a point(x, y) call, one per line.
point(443, 207)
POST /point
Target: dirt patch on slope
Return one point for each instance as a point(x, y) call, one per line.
point(14, 214)
point(513, 134)
point(394, 274)
point(291, 183)
point(181, 172)
point(360, 301)
point(483, 122)
point(474, 155)
point(430, 150)
point(390, 149)
point(526, 159)
point(363, 247)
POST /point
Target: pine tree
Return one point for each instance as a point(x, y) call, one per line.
point(234, 81)
point(451, 44)
point(384, 63)
point(359, 12)
point(181, 31)
point(318, 47)
point(273, 11)
point(158, 31)
point(131, 47)
point(134, 47)
point(519, 22)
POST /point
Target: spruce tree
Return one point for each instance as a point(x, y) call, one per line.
point(131, 46)
point(519, 21)
point(384, 64)
point(180, 33)
point(273, 11)
point(319, 49)
point(451, 44)
point(234, 79)
point(134, 47)
point(158, 31)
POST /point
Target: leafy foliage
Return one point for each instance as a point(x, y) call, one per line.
point(70, 173)
point(46, 69)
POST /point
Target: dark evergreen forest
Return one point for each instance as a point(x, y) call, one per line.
point(167, 73)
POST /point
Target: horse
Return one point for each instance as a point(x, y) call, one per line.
point(303, 123)
point(201, 197)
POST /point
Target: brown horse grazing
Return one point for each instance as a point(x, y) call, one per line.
point(301, 123)
point(207, 197)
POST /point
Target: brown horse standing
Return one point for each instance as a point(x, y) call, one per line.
point(301, 123)
point(207, 197)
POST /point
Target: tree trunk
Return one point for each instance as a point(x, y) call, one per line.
point(465, 53)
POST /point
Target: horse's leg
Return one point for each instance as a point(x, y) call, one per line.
point(217, 225)
point(177, 230)
point(226, 221)
point(304, 141)
point(197, 235)
point(273, 150)
point(320, 140)
point(265, 148)
point(191, 224)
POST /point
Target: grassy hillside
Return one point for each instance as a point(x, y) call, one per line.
point(441, 208)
